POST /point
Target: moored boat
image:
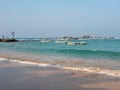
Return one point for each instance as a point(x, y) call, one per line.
point(79, 43)
point(61, 41)
point(45, 40)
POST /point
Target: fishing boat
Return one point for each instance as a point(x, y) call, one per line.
point(61, 41)
point(79, 43)
point(45, 40)
point(82, 43)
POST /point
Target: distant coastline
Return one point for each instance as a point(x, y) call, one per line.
point(84, 37)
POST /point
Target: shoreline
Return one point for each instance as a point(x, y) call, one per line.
point(19, 76)
point(59, 65)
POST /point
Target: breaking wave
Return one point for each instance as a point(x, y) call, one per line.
point(114, 73)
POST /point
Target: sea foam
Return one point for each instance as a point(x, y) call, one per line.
point(2, 59)
point(30, 63)
point(114, 73)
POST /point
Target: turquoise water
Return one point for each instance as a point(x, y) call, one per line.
point(95, 49)
point(98, 56)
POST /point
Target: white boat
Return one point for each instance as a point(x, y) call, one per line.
point(82, 43)
point(79, 43)
point(70, 43)
point(60, 41)
point(45, 40)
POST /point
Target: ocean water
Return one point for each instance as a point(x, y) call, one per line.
point(102, 54)
point(95, 49)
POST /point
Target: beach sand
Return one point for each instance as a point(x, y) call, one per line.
point(16, 76)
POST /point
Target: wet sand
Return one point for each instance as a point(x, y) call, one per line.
point(16, 76)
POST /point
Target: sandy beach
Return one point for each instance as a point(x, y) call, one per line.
point(16, 76)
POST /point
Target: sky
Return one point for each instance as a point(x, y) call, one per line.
point(51, 18)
